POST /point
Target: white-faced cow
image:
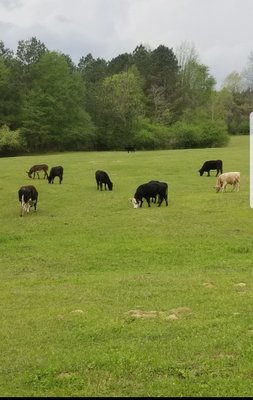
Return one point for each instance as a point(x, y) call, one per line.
point(28, 197)
point(35, 170)
point(211, 164)
point(150, 190)
point(103, 178)
point(55, 171)
point(228, 178)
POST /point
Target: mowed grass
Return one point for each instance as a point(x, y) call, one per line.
point(100, 299)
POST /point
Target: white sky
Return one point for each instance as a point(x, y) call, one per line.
point(220, 30)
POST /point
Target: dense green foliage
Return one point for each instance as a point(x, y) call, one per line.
point(102, 300)
point(152, 99)
point(11, 142)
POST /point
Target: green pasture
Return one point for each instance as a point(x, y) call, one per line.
point(101, 299)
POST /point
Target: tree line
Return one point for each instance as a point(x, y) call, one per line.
point(151, 99)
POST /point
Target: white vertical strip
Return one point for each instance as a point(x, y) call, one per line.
point(251, 160)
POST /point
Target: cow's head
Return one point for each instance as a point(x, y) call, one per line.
point(29, 174)
point(135, 202)
point(110, 185)
point(201, 172)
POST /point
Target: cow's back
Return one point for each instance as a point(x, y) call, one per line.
point(29, 192)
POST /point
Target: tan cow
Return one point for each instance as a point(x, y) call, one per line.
point(228, 178)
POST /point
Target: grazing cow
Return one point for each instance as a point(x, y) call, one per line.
point(212, 164)
point(130, 148)
point(103, 178)
point(151, 190)
point(28, 197)
point(228, 178)
point(35, 170)
point(55, 171)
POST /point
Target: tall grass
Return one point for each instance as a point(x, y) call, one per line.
point(100, 299)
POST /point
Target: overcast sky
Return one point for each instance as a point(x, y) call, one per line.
point(220, 30)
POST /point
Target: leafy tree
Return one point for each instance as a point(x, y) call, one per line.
point(54, 116)
point(142, 59)
point(121, 102)
point(120, 63)
point(11, 94)
point(5, 53)
point(30, 51)
point(92, 70)
point(234, 83)
point(195, 85)
point(240, 104)
point(161, 82)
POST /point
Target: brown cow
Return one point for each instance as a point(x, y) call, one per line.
point(35, 170)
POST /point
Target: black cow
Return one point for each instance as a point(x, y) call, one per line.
point(55, 171)
point(212, 164)
point(151, 190)
point(103, 178)
point(130, 148)
point(28, 197)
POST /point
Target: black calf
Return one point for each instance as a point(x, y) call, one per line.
point(103, 178)
point(55, 171)
point(212, 164)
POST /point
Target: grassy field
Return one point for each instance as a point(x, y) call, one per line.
point(100, 299)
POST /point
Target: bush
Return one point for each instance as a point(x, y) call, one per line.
point(198, 134)
point(151, 136)
point(11, 142)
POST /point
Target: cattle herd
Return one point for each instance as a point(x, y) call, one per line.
point(154, 191)
point(28, 195)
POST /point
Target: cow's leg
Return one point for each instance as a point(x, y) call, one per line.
point(22, 209)
point(100, 185)
point(148, 201)
point(208, 173)
point(166, 200)
point(217, 172)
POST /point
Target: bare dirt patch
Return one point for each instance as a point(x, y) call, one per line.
point(171, 315)
point(208, 285)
